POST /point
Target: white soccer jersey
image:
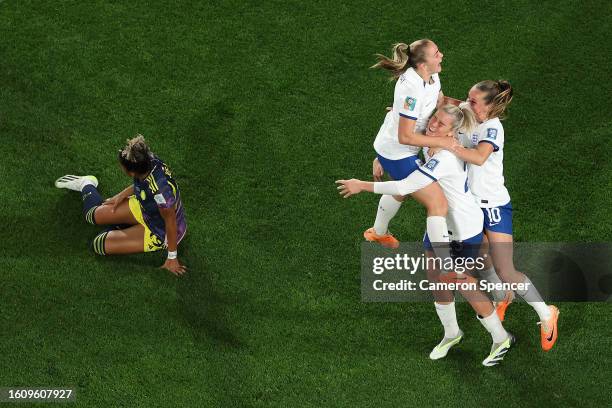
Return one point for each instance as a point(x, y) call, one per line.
point(465, 218)
point(487, 181)
point(413, 99)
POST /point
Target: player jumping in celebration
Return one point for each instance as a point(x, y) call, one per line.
point(489, 101)
point(415, 68)
point(150, 210)
point(465, 226)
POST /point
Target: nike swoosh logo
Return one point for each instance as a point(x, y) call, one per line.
point(549, 338)
point(493, 224)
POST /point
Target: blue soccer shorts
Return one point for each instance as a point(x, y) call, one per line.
point(399, 169)
point(498, 219)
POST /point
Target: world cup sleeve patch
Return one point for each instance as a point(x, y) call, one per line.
point(491, 133)
point(410, 103)
point(431, 164)
point(159, 199)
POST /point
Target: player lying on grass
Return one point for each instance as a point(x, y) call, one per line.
point(489, 101)
point(147, 216)
point(465, 226)
point(415, 68)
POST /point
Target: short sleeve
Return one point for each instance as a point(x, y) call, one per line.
point(494, 135)
point(437, 167)
point(409, 101)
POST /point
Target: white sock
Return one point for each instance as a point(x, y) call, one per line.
point(85, 182)
point(448, 318)
point(437, 231)
point(387, 208)
point(533, 298)
point(491, 276)
point(494, 327)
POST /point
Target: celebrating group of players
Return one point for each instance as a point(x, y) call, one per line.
point(461, 185)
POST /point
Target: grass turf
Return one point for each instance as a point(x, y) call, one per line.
point(258, 107)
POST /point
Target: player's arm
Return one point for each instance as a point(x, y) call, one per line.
point(172, 263)
point(408, 136)
point(414, 182)
point(477, 156)
point(119, 197)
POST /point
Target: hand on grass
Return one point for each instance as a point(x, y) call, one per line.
point(174, 266)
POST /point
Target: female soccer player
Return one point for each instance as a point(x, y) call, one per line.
point(464, 222)
point(415, 68)
point(489, 101)
point(150, 209)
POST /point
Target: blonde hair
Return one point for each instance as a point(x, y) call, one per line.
point(464, 120)
point(497, 93)
point(136, 155)
point(404, 57)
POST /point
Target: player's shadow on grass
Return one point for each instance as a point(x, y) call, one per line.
point(203, 308)
point(61, 229)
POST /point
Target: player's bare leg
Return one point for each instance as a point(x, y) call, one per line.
point(108, 215)
point(120, 242)
point(501, 299)
point(502, 254)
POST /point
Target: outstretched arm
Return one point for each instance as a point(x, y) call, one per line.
point(172, 263)
point(414, 182)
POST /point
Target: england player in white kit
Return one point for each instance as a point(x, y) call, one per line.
point(485, 153)
point(464, 222)
point(399, 140)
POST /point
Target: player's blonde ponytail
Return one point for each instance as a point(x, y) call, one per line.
point(404, 57)
point(136, 155)
point(498, 94)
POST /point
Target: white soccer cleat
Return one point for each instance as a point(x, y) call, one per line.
point(498, 351)
point(75, 183)
point(441, 350)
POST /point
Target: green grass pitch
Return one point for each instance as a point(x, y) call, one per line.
point(258, 107)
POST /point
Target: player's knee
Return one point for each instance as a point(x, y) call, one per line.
point(90, 215)
point(98, 243)
point(506, 274)
point(437, 208)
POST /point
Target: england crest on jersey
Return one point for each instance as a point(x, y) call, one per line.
point(431, 164)
point(474, 138)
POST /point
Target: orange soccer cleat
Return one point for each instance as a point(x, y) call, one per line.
point(501, 306)
point(386, 240)
point(548, 329)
